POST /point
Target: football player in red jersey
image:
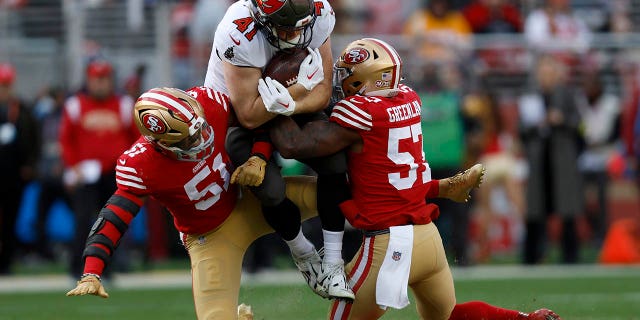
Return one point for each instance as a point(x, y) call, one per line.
point(378, 120)
point(181, 161)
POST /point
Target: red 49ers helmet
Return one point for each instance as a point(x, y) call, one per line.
point(369, 67)
point(286, 23)
point(174, 122)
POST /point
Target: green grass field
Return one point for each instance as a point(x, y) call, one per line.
point(574, 295)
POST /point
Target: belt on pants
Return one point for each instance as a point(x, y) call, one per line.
point(373, 233)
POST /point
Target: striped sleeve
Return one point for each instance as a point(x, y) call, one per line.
point(349, 115)
point(129, 179)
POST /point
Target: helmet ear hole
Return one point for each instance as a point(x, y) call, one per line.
point(357, 83)
point(375, 55)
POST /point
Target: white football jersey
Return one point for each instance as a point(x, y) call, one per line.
point(238, 41)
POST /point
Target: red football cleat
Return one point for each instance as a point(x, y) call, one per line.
point(543, 314)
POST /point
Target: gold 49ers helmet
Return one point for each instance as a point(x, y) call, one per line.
point(368, 67)
point(174, 122)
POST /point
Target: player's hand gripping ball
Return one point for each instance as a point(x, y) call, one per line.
point(284, 66)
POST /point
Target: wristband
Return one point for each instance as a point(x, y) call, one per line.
point(263, 148)
point(92, 275)
point(259, 155)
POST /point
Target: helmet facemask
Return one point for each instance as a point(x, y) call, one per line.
point(286, 24)
point(174, 123)
point(339, 75)
point(195, 146)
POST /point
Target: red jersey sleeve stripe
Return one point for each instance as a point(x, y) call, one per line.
point(130, 184)
point(125, 176)
point(126, 169)
point(128, 176)
point(349, 105)
point(350, 119)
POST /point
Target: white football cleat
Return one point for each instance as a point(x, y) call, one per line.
point(310, 265)
point(334, 282)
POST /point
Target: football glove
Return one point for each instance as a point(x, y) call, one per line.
point(250, 173)
point(89, 284)
point(311, 72)
point(275, 96)
point(457, 188)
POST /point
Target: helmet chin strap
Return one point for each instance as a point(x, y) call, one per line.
point(286, 44)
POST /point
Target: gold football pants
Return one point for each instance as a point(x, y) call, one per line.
point(430, 277)
point(216, 256)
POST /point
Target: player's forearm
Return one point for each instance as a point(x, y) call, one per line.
point(111, 224)
point(310, 101)
point(315, 139)
point(251, 113)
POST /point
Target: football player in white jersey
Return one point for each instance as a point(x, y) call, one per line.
point(249, 35)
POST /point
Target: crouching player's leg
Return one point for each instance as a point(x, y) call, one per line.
point(216, 256)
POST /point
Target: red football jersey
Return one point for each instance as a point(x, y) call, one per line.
point(197, 194)
point(389, 176)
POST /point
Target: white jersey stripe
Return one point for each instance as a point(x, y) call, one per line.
point(127, 169)
point(225, 99)
point(339, 110)
point(221, 100)
point(167, 100)
point(128, 176)
point(347, 112)
point(130, 184)
point(209, 93)
point(353, 107)
point(349, 121)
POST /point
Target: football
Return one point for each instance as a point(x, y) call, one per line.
point(284, 66)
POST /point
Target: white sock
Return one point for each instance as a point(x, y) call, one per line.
point(300, 245)
point(332, 246)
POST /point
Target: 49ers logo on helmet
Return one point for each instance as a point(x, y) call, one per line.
point(154, 124)
point(355, 55)
point(270, 6)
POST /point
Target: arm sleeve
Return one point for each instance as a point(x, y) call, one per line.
point(113, 221)
point(262, 146)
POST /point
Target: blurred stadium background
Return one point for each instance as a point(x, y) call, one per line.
point(49, 43)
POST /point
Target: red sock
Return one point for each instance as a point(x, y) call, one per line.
point(478, 310)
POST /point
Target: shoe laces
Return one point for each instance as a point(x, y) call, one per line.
point(304, 262)
point(332, 269)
